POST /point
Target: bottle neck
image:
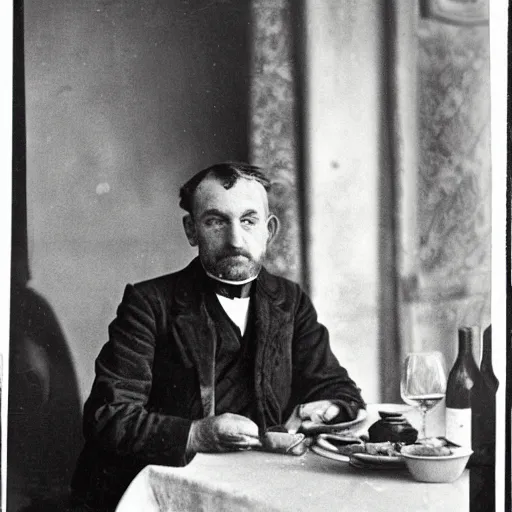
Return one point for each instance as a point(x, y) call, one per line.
point(465, 347)
point(487, 348)
point(486, 364)
point(467, 335)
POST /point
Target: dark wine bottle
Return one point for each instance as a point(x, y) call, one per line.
point(484, 407)
point(461, 380)
point(482, 477)
point(486, 369)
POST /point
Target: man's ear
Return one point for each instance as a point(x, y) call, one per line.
point(273, 227)
point(190, 229)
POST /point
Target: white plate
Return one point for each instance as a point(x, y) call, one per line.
point(365, 460)
point(329, 454)
point(310, 427)
point(329, 441)
point(362, 460)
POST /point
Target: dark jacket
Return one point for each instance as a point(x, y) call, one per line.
point(156, 374)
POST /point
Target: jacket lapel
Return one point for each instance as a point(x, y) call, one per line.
point(270, 320)
point(194, 331)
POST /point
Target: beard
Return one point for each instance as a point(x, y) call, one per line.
point(235, 266)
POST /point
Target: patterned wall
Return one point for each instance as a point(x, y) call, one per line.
point(454, 180)
point(273, 124)
point(452, 195)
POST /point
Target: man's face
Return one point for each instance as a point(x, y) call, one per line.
point(230, 227)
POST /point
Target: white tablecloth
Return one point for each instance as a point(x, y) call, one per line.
point(257, 482)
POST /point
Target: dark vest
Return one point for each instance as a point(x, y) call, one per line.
point(234, 363)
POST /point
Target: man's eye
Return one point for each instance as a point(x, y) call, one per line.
point(249, 222)
point(214, 222)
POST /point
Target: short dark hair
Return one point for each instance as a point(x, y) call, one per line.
point(228, 173)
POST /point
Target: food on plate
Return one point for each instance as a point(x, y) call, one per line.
point(344, 445)
point(424, 450)
point(350, 449)
point(433, 447)
point(348, 446)
point(437, 441)
point(383, 448)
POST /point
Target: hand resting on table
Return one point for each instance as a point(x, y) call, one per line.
point(223, 433)
point(321, 411)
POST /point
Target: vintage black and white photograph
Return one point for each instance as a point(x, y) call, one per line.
point(252, 258)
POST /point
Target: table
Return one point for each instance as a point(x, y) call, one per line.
point(257, 482)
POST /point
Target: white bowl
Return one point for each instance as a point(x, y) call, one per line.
point(441, 469)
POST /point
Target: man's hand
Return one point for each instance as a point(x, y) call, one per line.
point(321, 411)
point(227, 432)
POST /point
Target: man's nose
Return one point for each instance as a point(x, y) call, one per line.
point(235, 234)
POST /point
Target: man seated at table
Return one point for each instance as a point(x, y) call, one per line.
point(207, 358)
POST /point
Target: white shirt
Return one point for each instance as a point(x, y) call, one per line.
point(237, 309)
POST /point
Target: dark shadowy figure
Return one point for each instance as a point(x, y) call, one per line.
point(44, 424)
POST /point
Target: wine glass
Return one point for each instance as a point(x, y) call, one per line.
point(423, 382)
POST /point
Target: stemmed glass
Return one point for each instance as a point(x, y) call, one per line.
point(423, 382)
